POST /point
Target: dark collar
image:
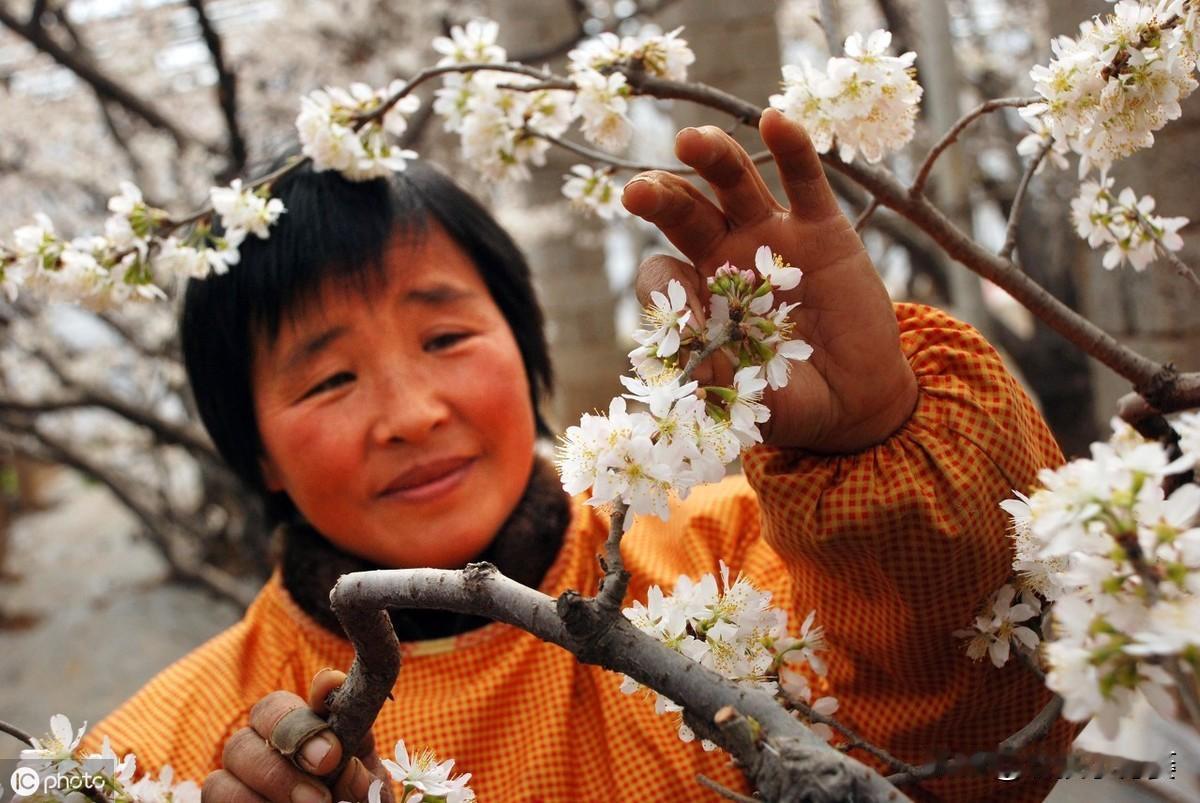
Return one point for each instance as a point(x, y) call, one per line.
point(523, 549)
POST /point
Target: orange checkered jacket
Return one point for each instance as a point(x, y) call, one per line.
point(895, 548)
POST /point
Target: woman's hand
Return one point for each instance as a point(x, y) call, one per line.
point(857, 388)
point(254, 771)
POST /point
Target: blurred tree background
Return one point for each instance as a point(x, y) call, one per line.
point(144, 523)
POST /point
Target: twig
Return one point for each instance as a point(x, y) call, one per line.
point(857, 741)
point(866, 214)
point(918, 185)
point(1038, 727)
point(724, 791)
point(16, 733)
point(622, 164)
point(1181, 267)
point(226, 88)
point(604, 158)
point(103, 85)
point(1014, 214)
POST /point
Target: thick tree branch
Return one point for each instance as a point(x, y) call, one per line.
point(226, 89)
point(103, 85)
point(792, 760)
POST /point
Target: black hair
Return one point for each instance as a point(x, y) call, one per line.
point(335, 230)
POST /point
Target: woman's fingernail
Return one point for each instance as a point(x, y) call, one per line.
point(315, 751)
point(307, 793)
point(651, 185)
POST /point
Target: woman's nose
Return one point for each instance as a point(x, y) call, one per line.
point(408, 408)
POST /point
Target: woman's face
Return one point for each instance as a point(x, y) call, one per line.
point(400, 422)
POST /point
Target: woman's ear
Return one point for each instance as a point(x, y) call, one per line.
point(270, 473)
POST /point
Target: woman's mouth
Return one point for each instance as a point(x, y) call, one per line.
point(428, 481)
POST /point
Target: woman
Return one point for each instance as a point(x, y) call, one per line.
point(374, 369)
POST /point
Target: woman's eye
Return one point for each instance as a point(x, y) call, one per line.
point(330, 383)
point(445, 341)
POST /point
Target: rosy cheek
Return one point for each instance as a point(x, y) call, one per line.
point(317, 452)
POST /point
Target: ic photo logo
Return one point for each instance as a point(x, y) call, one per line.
point(23, 780)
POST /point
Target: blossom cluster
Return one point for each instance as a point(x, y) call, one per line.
point(686, 438)
point(1108, 90)
point(733, 630)
point(864, 102)
point(505, 118)
point(1125, 223)
point(421, 776)
point(493, 118)
point(1119, 559)
point(57, 754)
point(601, 94)
point(137, 256)
point(353, 130)
point(348, 130)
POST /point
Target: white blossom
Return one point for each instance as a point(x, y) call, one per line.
point(244, 210)
point(666, 319)
point(593, 191)
point(658, 394)
point(600, 100)
point(1041, 136)
point(661, 55)
point(1090, 538)
point(1188, 427)
point(746, 410)
point(1121, 79)
point(58, 745)
point(864, 102)
point(164, 789)
point(497, 124)
point(422, 775)
point(999, 627)
point(334, 136)
point(730, 628)
point(123, 768)
point(474, 43)
point(1125, 223)
point(773, 268)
